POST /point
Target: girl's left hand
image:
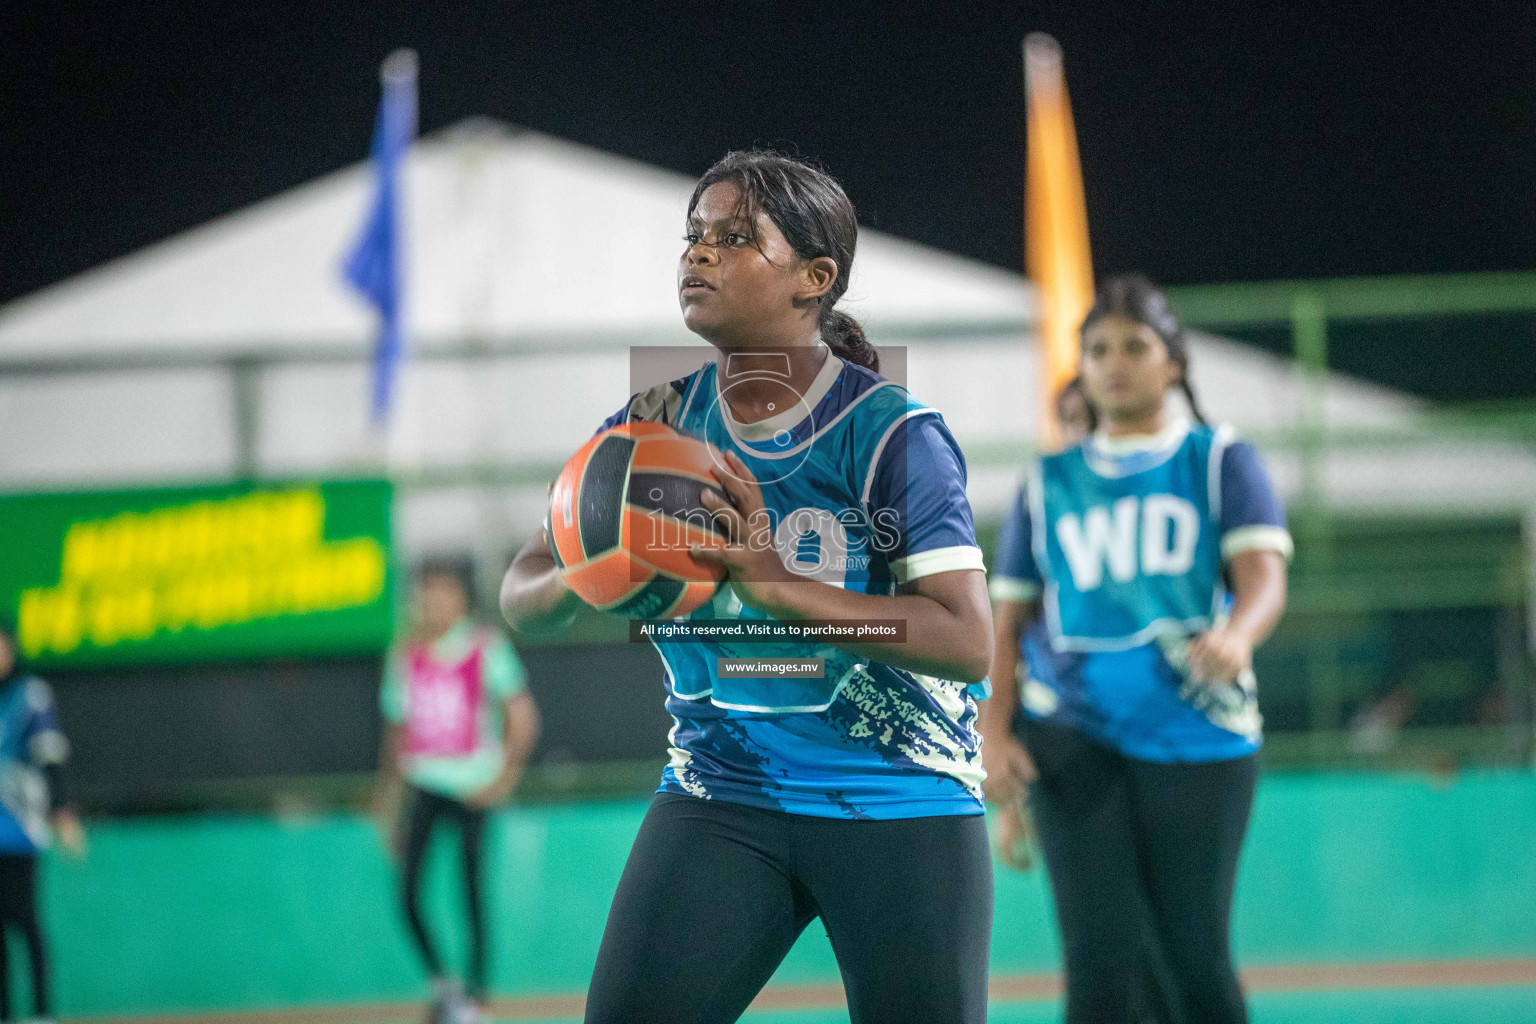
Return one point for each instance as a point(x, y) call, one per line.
point(493, 793)
point(750, 557)
point(70, 832)
point(1220, 655)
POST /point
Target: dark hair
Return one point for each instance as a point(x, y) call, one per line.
point(457, 568)
point(1075, 387)
point(8, 634)
point(1135, 297)
point(817, 219)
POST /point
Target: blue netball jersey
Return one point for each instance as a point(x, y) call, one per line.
point(1124, 543)
point(30, 740)
point(866, 488)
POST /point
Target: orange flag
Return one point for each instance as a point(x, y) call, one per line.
point(1056, 254)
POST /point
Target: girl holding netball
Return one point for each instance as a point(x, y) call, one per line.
point(1136, 574)
point(854, 797)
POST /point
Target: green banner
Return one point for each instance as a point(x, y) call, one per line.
point(198, 573)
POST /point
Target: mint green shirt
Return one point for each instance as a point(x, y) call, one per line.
point(502, 677)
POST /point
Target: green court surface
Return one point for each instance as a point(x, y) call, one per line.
point(1450, 1005)
point(1504, 1005)
point(1460, 1005)
point(242, 913)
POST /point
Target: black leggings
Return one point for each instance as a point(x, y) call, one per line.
point(1129, 842)
point(715, 894)
point(424, 810)
point(18, 909)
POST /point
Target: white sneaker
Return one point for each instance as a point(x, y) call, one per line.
point(462, 1010)
point(445, 994)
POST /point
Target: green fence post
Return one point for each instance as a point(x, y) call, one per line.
point(1314, 534)
point(1309, 336)
point(245, 383)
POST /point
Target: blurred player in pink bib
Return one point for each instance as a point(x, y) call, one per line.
point(459, 726)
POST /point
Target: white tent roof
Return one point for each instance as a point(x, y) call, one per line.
point(510, 234)
point(538, 247)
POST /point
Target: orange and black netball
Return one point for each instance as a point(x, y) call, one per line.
point(623, 514)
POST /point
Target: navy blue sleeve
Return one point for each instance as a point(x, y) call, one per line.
point(1251, 517)
point(617, 418)
point(915, 494)
point(45, 738)
point(659, 404)
point(1015, 576)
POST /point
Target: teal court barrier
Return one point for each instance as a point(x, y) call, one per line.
point(221, 914)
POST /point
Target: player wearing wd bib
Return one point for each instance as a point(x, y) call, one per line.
point(1135, 574)
point(852, 798)
point(867, 491)
point(1129, 566)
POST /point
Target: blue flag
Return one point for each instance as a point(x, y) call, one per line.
point(375, 265)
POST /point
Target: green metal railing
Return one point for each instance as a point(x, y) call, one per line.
point(1354, 577)
point(1348, 576)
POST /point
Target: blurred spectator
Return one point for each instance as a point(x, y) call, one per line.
point(32, 747)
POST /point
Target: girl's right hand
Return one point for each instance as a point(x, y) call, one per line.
point(1015, 836)
point(384, 807)
point(1009, 767)
point(70, 832)
point(534, 597)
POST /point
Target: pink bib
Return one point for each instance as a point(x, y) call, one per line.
point(442, 702)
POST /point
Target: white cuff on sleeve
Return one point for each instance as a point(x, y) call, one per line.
point(1011, 588)
point(1257, 538)
point(927, 563)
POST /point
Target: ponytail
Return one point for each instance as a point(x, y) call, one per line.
point(845, 337)
point(1189, 396)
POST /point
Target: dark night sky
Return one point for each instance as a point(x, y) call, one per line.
point(1307, 142)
